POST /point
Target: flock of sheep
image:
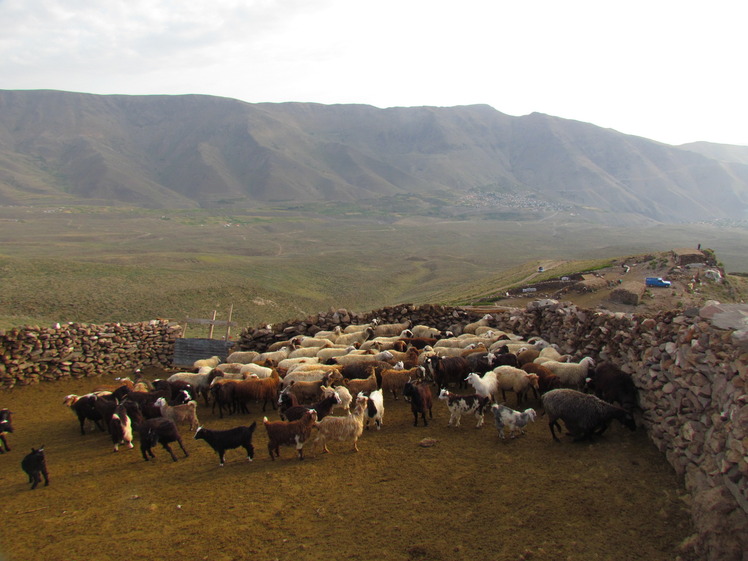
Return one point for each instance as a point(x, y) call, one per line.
point(351, 369)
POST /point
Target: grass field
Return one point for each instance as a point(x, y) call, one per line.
point(99, 264)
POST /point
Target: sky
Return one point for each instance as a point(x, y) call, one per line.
point(671, 71)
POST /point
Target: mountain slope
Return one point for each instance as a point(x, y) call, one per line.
point(202, 151)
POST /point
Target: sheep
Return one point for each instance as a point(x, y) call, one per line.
point(375, 409)
point(330, 373)
point(34, 464)
point(584, 415)
point(331, 334)
point(307, 352)
point(391, 329)
point(256, 370)
point(420, 401)
point(159, 430)
point(504, 417)
point(394, 380)
point(331, 352)
point(613, 385)
point(357, 337)
point(571, 374)
point(242, 357)
point(348, 427)
point(6, 427)
point(306, 392)
point(352, 358)
point(200, 381)
point(408, 358)
point(416, 342)
point(275, 356)
point(289, 433)
point(222, 440)
point(509, 378)
point(360, 326)
point(356, 386)
point(211, 362)
point(83, 407)
point(471, 327)
point(552, 353)
point(385, 343)
point(459, 405)
point(185, 413)
point(288, 363)
point(425, 331)
point(527, 355)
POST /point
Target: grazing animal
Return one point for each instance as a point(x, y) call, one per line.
point(323, 408)
point(367, 385)
point(613, 385)
point(200, 380)
point(571, 374)
point(584, 415)
point(348, 427)
point(459, 405)
point(159, 430)
point(120, 427)
point(35, 466)
point(185, 413)
point(342, 392)
point(547, 380)
point(515, 421)
point(222, 440)
point(421, 401)
point(211, 362)
point(485, 385)
point(448, 370)
point(257, 389)
point(289, 433)
point(84, 408)
point(375, 409)
point(6, 427)
point(509, 378)
point(394, 380)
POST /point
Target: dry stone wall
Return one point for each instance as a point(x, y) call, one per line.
point(692, 376)
point(31, 354)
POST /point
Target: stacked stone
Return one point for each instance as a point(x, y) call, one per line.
point(33, 353)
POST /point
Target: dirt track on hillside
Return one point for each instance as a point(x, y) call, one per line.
point(470, 496)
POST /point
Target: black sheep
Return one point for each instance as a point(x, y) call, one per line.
point(222, 440)
point(613, 385)
point(35, 466)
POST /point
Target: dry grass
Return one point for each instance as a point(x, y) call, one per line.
point(469, 497)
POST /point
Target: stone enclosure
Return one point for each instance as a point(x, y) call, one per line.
point(691, 369)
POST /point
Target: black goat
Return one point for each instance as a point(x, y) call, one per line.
point(448, 370)
point(84, 407)
point(222, 440)
point(323, 408)
point(153, 431)
point(6, 426)
point(613, 385)
point(35, 466)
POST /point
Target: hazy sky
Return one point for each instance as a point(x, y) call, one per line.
point(673, 71)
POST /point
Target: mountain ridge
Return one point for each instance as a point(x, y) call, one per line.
point(196, 151)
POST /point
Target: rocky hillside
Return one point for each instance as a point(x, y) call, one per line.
point(201, 151)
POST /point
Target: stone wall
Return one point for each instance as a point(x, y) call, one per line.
point(31, 354)
point(692, 377)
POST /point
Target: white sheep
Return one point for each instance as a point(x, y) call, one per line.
point(243, 357)
point(509, 378)
point(471, 327)
point(275, 356)
point(571, 374)
point(391, 329)
point(255, 369)
point(211, 362)
point(385, 343)
point(331, 352)
point(425, 331)
point(307, 352)
point(355, 338)
point(360, 327)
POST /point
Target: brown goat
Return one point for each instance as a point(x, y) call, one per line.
point(257, 389)
point(359, 385)
point(289, 433)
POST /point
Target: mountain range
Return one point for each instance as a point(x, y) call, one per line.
point(195, 151)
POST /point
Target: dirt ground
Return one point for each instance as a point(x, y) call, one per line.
point(471, 496)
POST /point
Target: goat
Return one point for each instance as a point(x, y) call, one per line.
point(504, 417)
point(120, 427)
point(448, 370)
point(83, 407)
point(613, 385)
point(289, 433)
point(420, 401)
point(257, 389)
point(342, 392)
point(6, 426)
point(323, 408)
point(185, 413)
point(222, 440)
point(35, 466)
point(394, 380)
point(159, 430)
point(366, 385)
point(459, 405)
point(375, 409)
point(348, 427)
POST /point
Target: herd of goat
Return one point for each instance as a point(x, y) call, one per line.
point(352, 369)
